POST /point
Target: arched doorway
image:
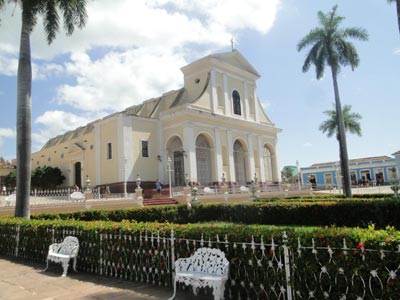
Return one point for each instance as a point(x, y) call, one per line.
point(203, 160)
point(239, 158)
point(175, 151)
point(267, 164)
point(78, 174)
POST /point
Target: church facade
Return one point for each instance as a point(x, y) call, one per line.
point(213, 127)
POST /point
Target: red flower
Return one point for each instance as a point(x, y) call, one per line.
point(360, 245)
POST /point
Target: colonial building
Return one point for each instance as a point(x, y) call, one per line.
point(211, 128)
point(363, 171)
point(6, 168)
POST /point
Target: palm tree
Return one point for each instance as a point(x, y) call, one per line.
point(351, 122)
point(74, 14)
point(398, 10)
point(329, 47)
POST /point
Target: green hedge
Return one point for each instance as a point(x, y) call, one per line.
point(302, 212)
point(123, 252)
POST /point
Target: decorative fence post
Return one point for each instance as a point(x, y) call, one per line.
point(287, 266)
point(172, 239)
point(101, 255)
point(17, 241)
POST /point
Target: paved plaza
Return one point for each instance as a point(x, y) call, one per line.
point(21, 279)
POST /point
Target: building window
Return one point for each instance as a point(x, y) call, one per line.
point(145, 148)
point(236, 103)
point(109, 151)
point(91, 147)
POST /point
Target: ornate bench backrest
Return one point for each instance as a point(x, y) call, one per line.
point(208, 261)
point(69, 245)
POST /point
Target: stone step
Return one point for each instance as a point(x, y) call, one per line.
point(159, 201)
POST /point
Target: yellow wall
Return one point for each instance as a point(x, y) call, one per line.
point(146, 167)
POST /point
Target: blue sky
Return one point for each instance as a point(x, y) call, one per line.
point(131, 51)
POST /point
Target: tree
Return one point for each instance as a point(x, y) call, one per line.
point(10, 179)
point(351, 122)
point(74, 14)
point(47, 177)
point(329, 46)
point(398, 10)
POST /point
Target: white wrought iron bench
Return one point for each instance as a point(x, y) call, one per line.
point(206, 267)
point(63, 252)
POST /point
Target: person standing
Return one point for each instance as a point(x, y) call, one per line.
point(158, 186)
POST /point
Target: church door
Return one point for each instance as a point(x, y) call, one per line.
point(78, 176)
point(203, 160)
point(240, 162)
point(179, 176)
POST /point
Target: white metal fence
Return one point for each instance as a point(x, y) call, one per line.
point(260, 268)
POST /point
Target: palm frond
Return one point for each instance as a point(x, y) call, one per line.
point(314, 36)
point(51, 20)
point(355, 33)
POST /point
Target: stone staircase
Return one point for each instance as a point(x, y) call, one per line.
point(152, 198)
point(161, 200)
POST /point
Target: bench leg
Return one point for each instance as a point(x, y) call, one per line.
point(47, 265)
point(218, 291)
point(65, 267)
point(173, 296)
point(74, 264)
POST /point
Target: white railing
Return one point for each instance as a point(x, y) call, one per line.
point(278, 268)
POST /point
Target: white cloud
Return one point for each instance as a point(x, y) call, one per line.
point(6, 133)
point(397, 51)
point(119, 80)
point(128, 51)
point(57, 122)
point(307, 145)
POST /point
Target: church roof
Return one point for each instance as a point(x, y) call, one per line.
point(235, 58)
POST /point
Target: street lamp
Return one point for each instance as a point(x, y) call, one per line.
point(298, 174)
point(169, 176)
point(87, 183)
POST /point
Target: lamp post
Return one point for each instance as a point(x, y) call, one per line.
point(169, 176)
point(338, 177)
point(125, 189)
point(87, 183)
point(298, 174)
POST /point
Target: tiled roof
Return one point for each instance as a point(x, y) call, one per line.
point(365, 159)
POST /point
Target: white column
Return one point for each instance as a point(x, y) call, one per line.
point(189, 146)
point(256, 112)
point(261, 157)
point(161, 151)
point(227, 107)
point(251, 156)
point(275, 165)
point(120, 149)
point(246, 101)
point(125, 146)
point(214, 95)
point(232, 176)
point(97, 147)
point(218, 154)
point(71, 174)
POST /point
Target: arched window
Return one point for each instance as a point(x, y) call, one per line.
point(236, 103)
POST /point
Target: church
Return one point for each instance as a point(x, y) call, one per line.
point(213, 129)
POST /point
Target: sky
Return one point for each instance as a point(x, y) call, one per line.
point(131, 51)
